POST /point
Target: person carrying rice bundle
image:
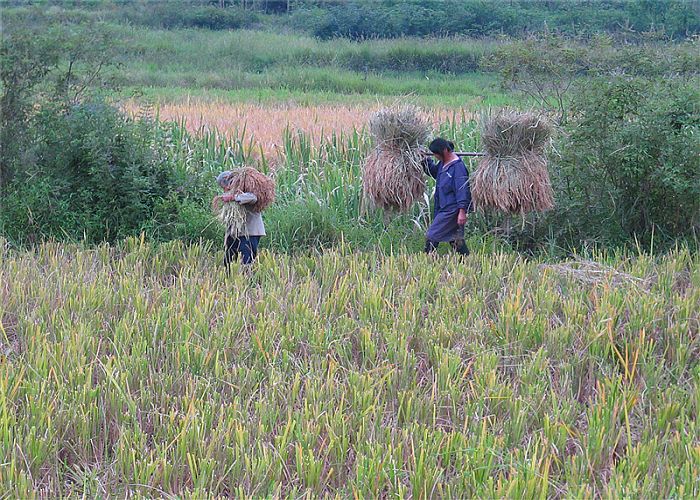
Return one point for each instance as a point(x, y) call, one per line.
point(452, 197)
point(244, 224)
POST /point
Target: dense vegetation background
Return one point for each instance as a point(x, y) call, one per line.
point(620, 77)
point(360, 19)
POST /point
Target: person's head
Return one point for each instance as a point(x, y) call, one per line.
point(441, 147)
point(224, 180)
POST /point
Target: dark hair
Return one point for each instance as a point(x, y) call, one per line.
point(439, 145)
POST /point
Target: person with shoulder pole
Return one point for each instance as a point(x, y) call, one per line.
point(453, 200)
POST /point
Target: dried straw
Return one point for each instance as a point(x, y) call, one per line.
point(513, 176)
point(393, 177)
point(399, 127)
point(233, 216)
point(512, 133)
point(250, 180)
point(589, 272)
point(512, 184)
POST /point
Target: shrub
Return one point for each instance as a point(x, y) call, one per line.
point(99, 176)
point(546, 68)
point(40, 58)
point(630, 163)
point(171, 15)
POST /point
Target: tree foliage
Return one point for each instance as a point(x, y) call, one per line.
point(546, 67)
point(630, 164)
point(73, 165)
point(45, 58)
point(361, 19)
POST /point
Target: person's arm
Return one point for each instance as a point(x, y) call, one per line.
point(215, 202)
point(245, 198)
point(430, 167)
point(464, 195)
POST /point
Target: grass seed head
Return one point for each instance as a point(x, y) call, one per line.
point(402, 128)
point(514, 133)
point(233, 216)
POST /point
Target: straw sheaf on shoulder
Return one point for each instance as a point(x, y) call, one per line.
point(250, 180)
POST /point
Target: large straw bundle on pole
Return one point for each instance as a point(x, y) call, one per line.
point(513, 176)
point(392, 176)
point(250, 180)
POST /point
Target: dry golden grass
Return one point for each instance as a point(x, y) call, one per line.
point(249, 180)
point(393, 176)
point(265, 123)
point(513, 176)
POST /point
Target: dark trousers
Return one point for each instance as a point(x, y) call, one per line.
point(458, 246)
point(247, 247)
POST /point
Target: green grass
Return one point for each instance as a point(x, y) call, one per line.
point(141, 369)
point(257, 65)
point(257, 51)
point(308, 87)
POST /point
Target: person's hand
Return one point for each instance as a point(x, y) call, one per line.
point(462, 217)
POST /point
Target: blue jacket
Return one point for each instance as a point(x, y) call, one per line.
point(451, 185)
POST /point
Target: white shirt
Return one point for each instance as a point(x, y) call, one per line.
point(254, 223)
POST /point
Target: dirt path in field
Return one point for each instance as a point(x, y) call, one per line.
point(265, 124)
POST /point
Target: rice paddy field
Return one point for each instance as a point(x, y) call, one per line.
point(264, 125)
point(345, 363)
point(143, 369)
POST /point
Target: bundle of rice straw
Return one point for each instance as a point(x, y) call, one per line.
point(513, 176)
point(250, 180)
point(233, 217)
point(392, 176)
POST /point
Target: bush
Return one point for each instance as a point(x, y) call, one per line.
point(45, 57)
point(171, 15)
point(359, 19)
point(630, 163)
point(99, 176)
point(546, 68)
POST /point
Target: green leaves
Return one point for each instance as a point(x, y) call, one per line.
point(632, 156)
